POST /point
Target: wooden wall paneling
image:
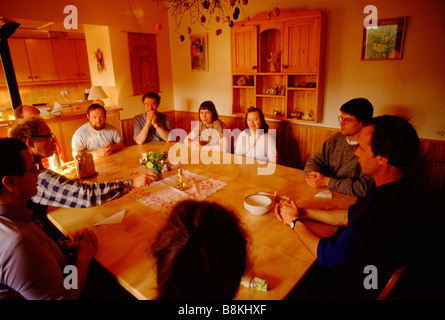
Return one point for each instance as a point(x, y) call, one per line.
point(297, 140)
point(429, 170)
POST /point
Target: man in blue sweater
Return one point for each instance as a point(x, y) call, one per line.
point(377, 229)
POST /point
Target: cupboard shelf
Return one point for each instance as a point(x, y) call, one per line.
point(280, 55)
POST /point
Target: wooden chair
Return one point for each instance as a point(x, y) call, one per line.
point(391, 283)
point(128, 131)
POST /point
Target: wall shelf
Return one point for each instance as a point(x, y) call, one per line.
point(283, 72)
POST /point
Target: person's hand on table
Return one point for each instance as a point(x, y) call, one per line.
point(317, 180)
point(103, 151)
point(286, 211)
point(144, 179)
point(84, 243)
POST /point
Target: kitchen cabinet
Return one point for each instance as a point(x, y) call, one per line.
point(32, 59)
point(82, 58)
point(244, 49)
point(70, 59)
point(284, 78)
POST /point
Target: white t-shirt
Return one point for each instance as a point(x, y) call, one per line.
point(262, 147)
point(86, 138)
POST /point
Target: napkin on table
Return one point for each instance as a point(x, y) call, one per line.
point(115, 218)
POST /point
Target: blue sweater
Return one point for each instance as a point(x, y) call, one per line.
point(378, 232)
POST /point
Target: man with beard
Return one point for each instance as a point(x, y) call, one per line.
point(96, 136)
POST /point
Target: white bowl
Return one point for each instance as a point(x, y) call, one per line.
point(258, 204)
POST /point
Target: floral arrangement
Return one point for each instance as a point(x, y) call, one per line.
point(155, 161)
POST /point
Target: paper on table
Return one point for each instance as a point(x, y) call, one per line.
point(115, 218)
point(324, 194)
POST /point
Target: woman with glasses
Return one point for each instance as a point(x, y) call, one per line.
point(335, 166)
point(55, 189)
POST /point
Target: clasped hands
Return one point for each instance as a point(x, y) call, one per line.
point(103, 151)
point(84, 243)
point(317, 180)
point(152, 119)
point(286, 211)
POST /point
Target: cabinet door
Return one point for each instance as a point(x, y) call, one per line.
point(65, 59)
point(301, 45)
point(20, 59)
point(82, 59)
point(41, 60)
point(244, 49)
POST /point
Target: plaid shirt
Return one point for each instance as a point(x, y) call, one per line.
point(56, 190)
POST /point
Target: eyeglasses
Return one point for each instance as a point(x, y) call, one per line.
point(345, 120)
point(35, 169)
point(51, 136)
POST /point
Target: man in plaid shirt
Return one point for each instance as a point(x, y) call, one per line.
point(56, 190)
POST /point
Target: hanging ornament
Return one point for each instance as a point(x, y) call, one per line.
point(236, 13)
point(158, 26)
point(224, 11)
point(276, 12)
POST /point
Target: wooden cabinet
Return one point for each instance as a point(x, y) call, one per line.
point(48, 60)
point(286, 78)
point(302, 46)
point(33, 60)
point(82, 59)
point(244, 49)
point(19, 57)
point(70, 58)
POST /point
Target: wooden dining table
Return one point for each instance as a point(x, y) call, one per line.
point(276, 253)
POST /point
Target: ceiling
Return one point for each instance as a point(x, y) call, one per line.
point(43, 29)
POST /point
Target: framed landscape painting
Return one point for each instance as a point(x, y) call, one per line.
point(384, 42)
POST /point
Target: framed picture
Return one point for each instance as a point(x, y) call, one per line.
point(384, 42)
point(199, 52)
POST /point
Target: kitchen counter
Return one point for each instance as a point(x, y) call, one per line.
point(67, 123)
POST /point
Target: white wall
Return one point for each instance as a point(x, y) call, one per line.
point(412, 86)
